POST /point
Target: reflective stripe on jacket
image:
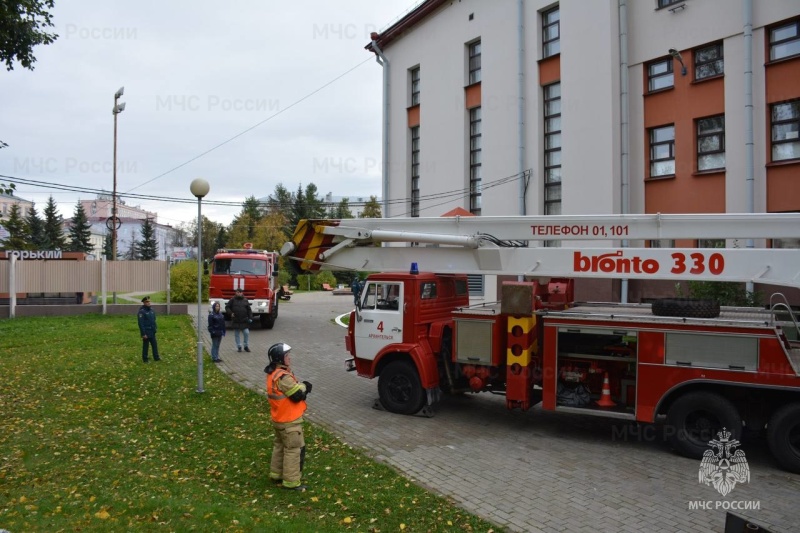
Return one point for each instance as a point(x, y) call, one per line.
point(283, 409)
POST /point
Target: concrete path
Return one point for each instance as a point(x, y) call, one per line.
point(532, 471)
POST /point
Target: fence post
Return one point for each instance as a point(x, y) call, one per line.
point(12, 285)
point(169, 299)
point(103, 273)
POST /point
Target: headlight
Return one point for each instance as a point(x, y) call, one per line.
point(262, 304)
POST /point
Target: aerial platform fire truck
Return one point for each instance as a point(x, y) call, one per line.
point(695, 365)
point(253, 271)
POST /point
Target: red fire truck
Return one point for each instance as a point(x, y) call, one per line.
point(253, 271)
point(699, 367)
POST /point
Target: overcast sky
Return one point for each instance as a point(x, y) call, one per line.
point(197, 73)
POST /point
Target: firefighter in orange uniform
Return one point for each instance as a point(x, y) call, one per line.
point(287, 402)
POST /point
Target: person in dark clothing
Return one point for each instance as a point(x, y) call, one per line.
point(216, 328)
point(355, 288)
point(147, 329)
point(241, 318)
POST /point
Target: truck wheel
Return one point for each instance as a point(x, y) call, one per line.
point(268, 321)
point(686, 307)
point(400, 389)
point(783, 436)
point(695, 418)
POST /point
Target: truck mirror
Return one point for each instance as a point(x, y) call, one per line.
point(275, 273)
point(205, 266)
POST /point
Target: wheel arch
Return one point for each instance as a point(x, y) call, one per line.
point(420, 356)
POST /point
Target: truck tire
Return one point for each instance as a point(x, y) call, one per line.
point(686, 307)
point(268, 321)
point(695, 418)
point(400, 389)
point(783, 436)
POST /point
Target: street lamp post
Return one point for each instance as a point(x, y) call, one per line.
point(199, 188)
point(119, 107)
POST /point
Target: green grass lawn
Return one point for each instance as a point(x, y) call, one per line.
point(92, 439)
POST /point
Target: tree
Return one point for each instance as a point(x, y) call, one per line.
point(6, 189)
point(372, 209)
point(342, 210)
point(17, 229)
point(22, 26)
point(133, 251)
point(243, 227)
point(53, 222)
point(108, 246)
point(147, 248)
point(80, 232)
point(36, 236)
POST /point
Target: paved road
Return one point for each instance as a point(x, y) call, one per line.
point(532, 471)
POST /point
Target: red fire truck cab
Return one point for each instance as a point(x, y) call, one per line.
point(253, 271)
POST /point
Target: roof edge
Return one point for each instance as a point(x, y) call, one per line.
point(397, 29)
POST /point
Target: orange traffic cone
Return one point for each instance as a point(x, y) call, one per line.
point(605, 397)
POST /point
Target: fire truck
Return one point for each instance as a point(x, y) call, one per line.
point(695, 366)
point(253, 271)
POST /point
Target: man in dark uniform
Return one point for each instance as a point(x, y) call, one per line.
point(147, 329)
point(241, 318)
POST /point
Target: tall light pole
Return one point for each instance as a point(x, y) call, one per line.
point(199, 188)
point(119, 107)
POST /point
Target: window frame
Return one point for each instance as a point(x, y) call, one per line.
point(474, 62)
point(698, 64)
point(414, 77)
point(653, 144)
point(661, 4)
point(773, 123)
point(415, 134)
point(773, 44)
point(668, 61)
point(547, 24)
point(475, 159)
point(709, 134)
point(550, 186)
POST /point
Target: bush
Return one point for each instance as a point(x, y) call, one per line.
point(183, 282)
point(725, 292)
point(315, 281)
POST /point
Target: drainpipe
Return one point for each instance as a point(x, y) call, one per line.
point(383, 62)
point(624, 132)
point(521, 110)
point(749, 166)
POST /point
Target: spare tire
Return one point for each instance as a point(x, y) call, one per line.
point(686, 307)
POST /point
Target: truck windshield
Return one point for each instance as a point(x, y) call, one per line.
point(254, 267)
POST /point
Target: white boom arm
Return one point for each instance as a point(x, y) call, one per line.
point(497, 245)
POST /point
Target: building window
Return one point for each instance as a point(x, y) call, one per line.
point(661, 243)
point(711, 143)
point(551, 33)
point(666, 3)
point(785, 131)
point(662, 151)
point(711, 243)
point(415, 86)
point(415, 171)
point(784, 40)
point(552, 149)
point(475, 160)
point(474, 62)
point(659, 75)
point(708, 62)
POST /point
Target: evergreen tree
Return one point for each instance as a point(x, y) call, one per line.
point(17, 229)
point(108, 246)
point(243, 227)
point(342, 210)
point(372, 209)
point(133, 251)
point(147, 248)
point(222, 238)
point(37, 238)
point(53, 222)
point(80, 232)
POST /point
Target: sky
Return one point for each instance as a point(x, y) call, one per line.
point(259, 74)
